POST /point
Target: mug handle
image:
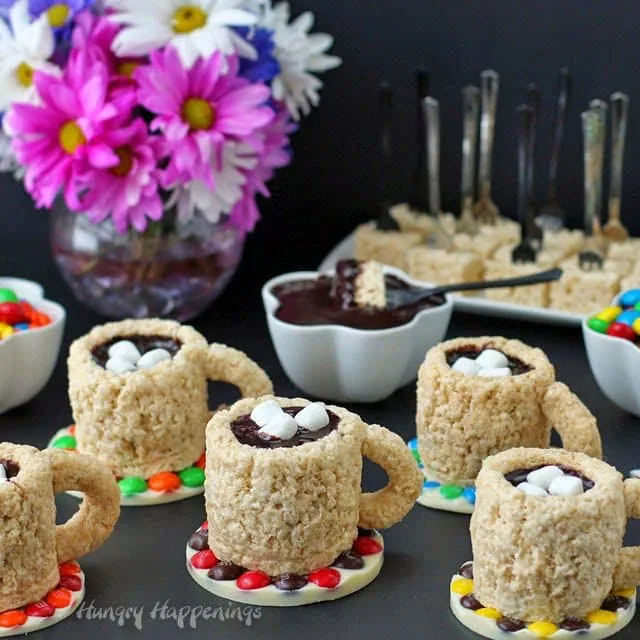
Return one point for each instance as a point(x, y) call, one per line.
point(627, 572)
point(576, 425)
point(99, 510)
point(225, 364)
point(388, 506)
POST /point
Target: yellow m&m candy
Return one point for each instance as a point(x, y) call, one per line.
point(609, 314)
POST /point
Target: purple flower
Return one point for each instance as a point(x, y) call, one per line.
point(266, 66)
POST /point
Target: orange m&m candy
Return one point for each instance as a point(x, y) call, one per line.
point(165, 481)
point(59, 598)
point(13, 618)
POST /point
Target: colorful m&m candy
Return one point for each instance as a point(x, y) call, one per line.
point(17, 316)
point(621, 320)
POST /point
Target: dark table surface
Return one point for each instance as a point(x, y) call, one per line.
point(142, 565)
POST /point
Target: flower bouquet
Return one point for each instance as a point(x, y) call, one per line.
point(152, 118)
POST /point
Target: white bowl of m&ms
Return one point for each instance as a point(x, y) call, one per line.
point(31, 331)
point(612, 340)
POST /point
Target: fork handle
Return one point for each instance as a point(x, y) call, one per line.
point(619, 119)
point(594, 124)
point(471, 109)
point(490, 89)
point(564, 89)
point(525, 141)
point(431, 112)
point(419, 196)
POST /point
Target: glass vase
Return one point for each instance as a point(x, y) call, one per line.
point(174, 269)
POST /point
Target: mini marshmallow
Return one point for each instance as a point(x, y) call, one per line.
point(313, 417)
point(501, 372)
point(126, 350)
point(153, 357)
point(281, 426)
point(3, 474)
point(545, 476)
point(492, 359)
point(265, 411)
point(566, 486)
point(467, 366)
point(635, 473)
point(531, 489)
point(119, 365)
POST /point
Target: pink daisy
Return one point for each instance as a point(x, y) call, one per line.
point(95, 35)
point(129, 192)
point(199, 108)
point(272, 142)
point(60, 140)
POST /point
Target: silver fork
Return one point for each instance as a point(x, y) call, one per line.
point(594, 125)
point(525, 252)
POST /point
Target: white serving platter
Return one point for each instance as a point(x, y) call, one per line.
point(477, 304)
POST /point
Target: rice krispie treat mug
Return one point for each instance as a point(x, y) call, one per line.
point(552, 559)
point(290, 504)
point(464, 416)
point(31, 545)
point(152, 418)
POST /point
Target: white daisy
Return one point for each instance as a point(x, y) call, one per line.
point(194, 27)
point(25, 47)
point(299, 54)
point(196, 197)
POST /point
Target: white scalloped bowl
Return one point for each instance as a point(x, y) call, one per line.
point(342, 364)
point(615, 364)
point(27, 359)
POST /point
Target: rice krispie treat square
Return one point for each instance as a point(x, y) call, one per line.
point(616, 266)
point(507, 231)
point(387, 247)
point(566, 241)
point(627, 250)
point(583, 291)
point(484, 244)
point(440, 267)
point(546, 259)
point(533, 296)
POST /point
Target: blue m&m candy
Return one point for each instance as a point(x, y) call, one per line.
point(628, 317)
point(629, 298)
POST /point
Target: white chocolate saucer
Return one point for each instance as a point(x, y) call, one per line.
point(485, 621)
point(442, 497)
point(317, 589)
point(145, 498)
point(55, 614)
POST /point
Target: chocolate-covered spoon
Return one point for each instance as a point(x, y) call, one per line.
point(522, 281)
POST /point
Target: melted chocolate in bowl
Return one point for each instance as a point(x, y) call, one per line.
point(517, 366)
point(520, 475)
point(246, 432)
point(143, 344)
point(326, 300)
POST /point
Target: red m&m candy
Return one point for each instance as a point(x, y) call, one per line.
point(366, 546)
point(619, 330)
point(73, 583)
point(204, 559)
point(40, 609)
point(326, 578)
point(11, 313)
point(253, 580)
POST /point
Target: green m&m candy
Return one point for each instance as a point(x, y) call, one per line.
point(65, 442)
point(8, 295)
point(451, 491)
point(597, 324)
point(132, 485)
point(192, 477)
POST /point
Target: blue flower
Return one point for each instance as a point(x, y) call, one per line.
point(266, 67)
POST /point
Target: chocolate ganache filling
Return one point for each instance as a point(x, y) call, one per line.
point(472, 352)
point(11, 468)
point(327, 300)
point(144, 344)
point(520, 475)
point(246, 431)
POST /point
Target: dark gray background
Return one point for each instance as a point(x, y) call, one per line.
point(316, 201)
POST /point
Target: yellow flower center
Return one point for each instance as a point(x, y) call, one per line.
point(126, 162)
point(58, 14)
point(127, 68)
point(71, 136)
point(198, 114)
point(188, 18)
point(24, 73)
